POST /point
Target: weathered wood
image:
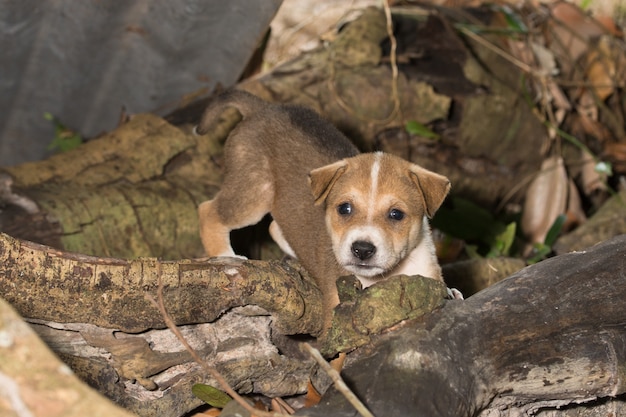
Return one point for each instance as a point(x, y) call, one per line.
point(47, 284)
point(94, 312)
point(33, 382)
point(607, 222)
point(130, 193)
point(551, 335)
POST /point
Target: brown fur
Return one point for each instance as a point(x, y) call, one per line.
point(288, 161)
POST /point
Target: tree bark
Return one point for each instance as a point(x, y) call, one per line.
point(551, 335)
point(33, 382)
point(94, 312)
point(130, 193)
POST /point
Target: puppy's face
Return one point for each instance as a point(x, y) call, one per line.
point(375, 206)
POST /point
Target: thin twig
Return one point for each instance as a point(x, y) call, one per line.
point(338, 382)
point(281, 405)
point(392, 58)
point(160, 305)
point(521, 65)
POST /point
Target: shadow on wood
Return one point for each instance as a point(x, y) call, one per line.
point(550, 335)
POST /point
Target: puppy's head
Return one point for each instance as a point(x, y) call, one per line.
point(375, 208)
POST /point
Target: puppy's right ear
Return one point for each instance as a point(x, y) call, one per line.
point(321, 180)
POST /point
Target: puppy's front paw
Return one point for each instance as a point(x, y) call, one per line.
point(231, 254)
point(454, 294)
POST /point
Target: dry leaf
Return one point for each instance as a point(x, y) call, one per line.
point(591, 126)
point(570, 31)
point(312, 396)
point(616, 152)
point(601, 63)
point(546, 199)
point(545, 59)
point(559, 98)
point(337, 363)
point(575, 215)
point(591, 179)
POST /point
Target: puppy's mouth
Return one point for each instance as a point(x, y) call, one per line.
point(364, 269)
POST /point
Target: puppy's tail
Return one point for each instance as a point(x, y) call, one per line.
point(243, 101)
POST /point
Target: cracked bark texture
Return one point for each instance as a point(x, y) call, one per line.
point(95, 314)
point(131, 193)
point(550, 338)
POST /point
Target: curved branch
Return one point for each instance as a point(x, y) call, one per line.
point(48, 284)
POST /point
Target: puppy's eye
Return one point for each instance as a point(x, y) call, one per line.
point(344, 209)
point(395, 214)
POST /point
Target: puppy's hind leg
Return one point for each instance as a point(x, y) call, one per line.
point(215, 235)
point(232, 208)
point(246, 195)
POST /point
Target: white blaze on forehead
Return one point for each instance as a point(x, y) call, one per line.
point(374, 174)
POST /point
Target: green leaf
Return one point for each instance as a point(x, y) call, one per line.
point(212, 396)
point(419, 129)
point(541, 251)
point(513, 20)
point(64, 139)
point(469, 222)
point(65, 143)
point(554, 231)
point(503, 242)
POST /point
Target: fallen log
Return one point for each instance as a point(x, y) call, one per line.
point(33, 382)
point(95, 313)
point(551, 335)
point(113, 198)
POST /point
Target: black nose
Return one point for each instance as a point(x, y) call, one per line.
point(363, 250)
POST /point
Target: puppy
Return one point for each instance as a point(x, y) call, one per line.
point(335, 210)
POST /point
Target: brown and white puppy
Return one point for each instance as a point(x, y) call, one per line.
point(337, 211)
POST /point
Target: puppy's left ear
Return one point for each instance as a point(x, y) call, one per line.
point(434, 187)
point(322, 179)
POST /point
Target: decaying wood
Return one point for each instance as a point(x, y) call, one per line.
point(131, 193)
point(33, 382)
point(548, 336)
point(551, 335)
point(58, 286)
point(607, 222)
point(94, 313)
